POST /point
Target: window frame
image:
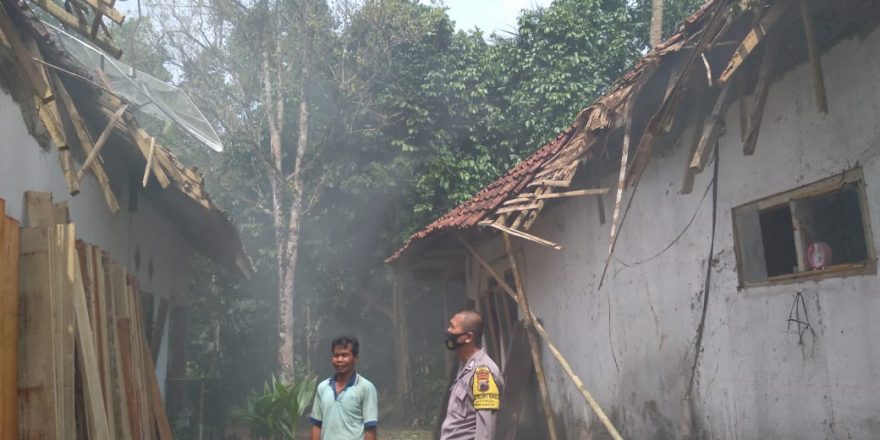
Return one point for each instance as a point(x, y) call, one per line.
point(791, 198)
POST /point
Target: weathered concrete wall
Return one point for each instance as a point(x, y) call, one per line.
point(24, 166)
point(633, 341)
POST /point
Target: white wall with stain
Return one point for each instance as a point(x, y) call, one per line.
point(632, 342)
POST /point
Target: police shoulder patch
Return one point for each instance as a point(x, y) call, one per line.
point(485, 389)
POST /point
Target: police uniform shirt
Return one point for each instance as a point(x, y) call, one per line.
point(344, 416)
point(474, 400)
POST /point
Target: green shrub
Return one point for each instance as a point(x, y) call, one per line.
point(274, 413)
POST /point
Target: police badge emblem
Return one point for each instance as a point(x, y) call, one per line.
point(486, 395)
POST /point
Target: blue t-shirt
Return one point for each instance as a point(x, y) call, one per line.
point(344, 416)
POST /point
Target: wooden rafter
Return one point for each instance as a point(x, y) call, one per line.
point(85, 141)
point(753, 39)
point(102, 140)
point(81, 27)
point(815, 58)
point(523, 235)
point(762, 89)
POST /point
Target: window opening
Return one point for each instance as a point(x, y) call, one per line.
point(777, 235)
point(821, 229)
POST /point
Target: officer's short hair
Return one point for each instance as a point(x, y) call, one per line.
point(472, 321)
point(344, 342)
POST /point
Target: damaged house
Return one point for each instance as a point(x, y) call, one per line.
point(100, 224)
point(696, 253)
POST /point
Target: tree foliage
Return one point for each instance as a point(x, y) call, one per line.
point(409, 117)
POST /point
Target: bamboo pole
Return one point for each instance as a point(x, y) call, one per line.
point(520, 234)
point(550, 345)
point(533, 343)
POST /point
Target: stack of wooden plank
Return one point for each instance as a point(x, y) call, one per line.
point(8, 324)
point(85, 367)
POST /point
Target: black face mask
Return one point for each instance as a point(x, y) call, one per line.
point(451, 340)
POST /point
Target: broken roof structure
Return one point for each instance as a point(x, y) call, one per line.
point(653, 104)
point(76, 110)
point(782, 343)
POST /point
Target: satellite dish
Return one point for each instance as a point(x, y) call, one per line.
point(148, 95)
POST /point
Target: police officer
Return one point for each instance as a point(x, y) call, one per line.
point(475, 394)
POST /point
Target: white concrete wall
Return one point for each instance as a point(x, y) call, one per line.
point(24, 166)
point(632, 342)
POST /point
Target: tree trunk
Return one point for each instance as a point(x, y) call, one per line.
point(403, 386)
point(656, 22)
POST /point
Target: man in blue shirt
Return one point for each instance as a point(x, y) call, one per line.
point(346, 404)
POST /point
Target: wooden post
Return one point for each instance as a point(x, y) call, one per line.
point(402, 364)
point(9, 248)
point(815, 59)
point(533, 343)
point(550, 345)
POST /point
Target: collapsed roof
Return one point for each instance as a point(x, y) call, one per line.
point(718, 55)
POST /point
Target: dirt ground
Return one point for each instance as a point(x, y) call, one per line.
point(390, 434)
point(403, 434)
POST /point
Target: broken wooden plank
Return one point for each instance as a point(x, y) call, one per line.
point(9, 251)
point(815, 58)
point(550, 182)
point(753, 38)
point(161, 417)
point(523, 235)
point(42, 212)
point(138, 347)
point(762, 89)
point(93, 287)
point(149, 161)
point(576, 193)
point(46, 367)
point(70, 179)
point(621, 183)
point(87, 356)
point(14, 38)
point(115, 282)
point(526, 197)
point(39, 416)
point(65, 333)
point(743, 100)
point(161, 162)
point(712, 129)
point(123, 330)
point(691, 139)
point(85, 141)
point(102, 139)
point(662, 119)
point(71, 22)
point(517, 208)
point(101, 293)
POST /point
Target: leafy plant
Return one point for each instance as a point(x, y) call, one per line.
point(275, 413)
